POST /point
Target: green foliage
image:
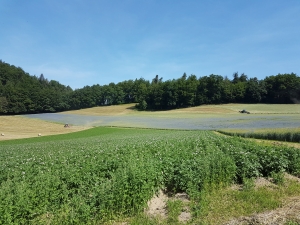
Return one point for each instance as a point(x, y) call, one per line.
point(291, 222)
point(278, 136)
point(248, 184)
point(278, 178)
point(142, 105)
point(222, 205)
point(174, 208)
point(21, 93)
point(106, 173)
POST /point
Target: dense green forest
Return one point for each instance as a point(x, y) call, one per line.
point(22, 93)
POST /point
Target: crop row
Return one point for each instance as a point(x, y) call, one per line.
point(93, 179)
point(277, 136)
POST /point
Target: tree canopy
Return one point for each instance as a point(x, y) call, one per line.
point(22, 93)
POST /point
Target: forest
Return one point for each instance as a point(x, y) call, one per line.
point(22, 93)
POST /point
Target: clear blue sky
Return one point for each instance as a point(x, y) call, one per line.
point(86, 42)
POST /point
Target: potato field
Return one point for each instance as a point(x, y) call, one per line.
point(98, 175)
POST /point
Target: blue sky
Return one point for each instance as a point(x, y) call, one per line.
point(86, 42)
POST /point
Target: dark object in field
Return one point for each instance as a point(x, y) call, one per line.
point(66, 125)
point(244, 111)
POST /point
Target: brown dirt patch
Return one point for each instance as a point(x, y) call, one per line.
point(17, 127)
point(185, 215)
point(157, 206)
point(263, 182)
point(291, 177)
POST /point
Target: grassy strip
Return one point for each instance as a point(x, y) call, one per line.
point(267, 135)
point(225, 204)
point(219, 206)
point(93, 132)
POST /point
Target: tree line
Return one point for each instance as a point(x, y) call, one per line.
point(22, 93)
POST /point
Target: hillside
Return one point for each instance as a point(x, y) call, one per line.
point(21, 93)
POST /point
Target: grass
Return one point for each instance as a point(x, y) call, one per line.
point(126, 109)
point(265, 108)
point(17, 127)
point(106, 110)
point(226, 204)
point(75, 170)
point(278, 134)
point(92, 132)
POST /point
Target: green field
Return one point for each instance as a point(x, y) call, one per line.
point(107, 175)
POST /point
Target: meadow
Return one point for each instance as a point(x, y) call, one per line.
point(107, 175)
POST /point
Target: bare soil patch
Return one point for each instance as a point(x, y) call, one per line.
point(17, 127)
point(157, 206)
point(263, 182)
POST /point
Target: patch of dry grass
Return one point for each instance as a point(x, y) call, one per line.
point(206, 109)
point(210, 110)
point(17, 127)
point(106, 110)
point(265, 108)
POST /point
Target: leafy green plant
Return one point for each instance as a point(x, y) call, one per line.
point(291, 222)
point(248, 184)
point(174, 208)
point(106, 174)
point(277, 178)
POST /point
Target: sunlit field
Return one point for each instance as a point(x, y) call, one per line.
point(204, 109)
point(213, 117)
point(15, 127)
point(108, 175)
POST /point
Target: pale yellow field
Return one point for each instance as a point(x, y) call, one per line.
point(264, 108)
point(16, 127)
point(106, 110)
point(226, 109)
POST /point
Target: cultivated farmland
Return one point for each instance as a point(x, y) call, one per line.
point(105, 174)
